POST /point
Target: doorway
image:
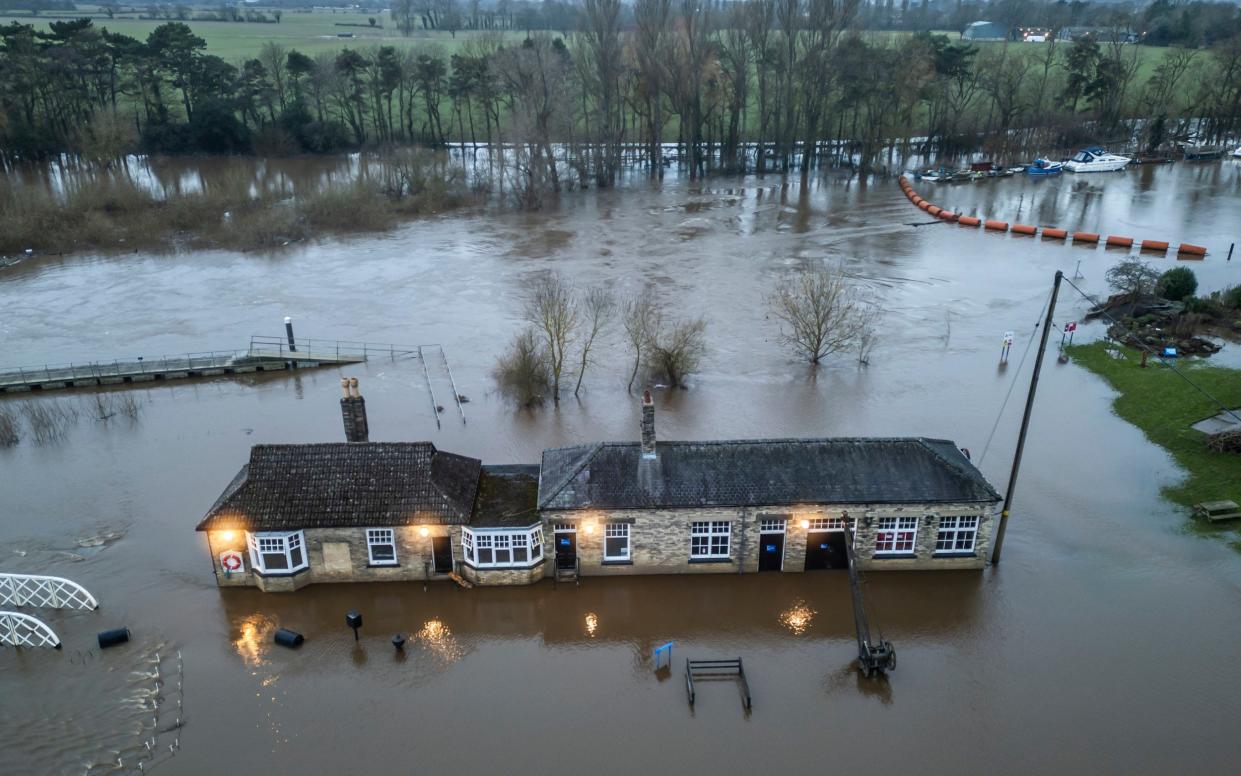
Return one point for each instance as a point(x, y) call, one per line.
point(441, 551)
point(826, 550)
point(771, 552)
point(566, 549)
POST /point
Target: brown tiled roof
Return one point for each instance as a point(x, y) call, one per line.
point(340, 485)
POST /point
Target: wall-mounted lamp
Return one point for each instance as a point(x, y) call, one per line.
point(424, 532)
point(928, 520)
point(805, 524)
point(866, 520)
point(226, 536)
point(588, 527)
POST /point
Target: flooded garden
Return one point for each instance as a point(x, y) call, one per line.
point(1104, 641)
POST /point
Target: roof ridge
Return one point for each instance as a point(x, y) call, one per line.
point(591, 452)
point(955, 466)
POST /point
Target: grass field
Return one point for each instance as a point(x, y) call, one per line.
point(309, 33)
point(1164, 406)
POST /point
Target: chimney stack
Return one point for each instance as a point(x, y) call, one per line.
point(353, 411)
point(648, 425)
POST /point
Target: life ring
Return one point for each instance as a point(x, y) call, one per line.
point(231, 561)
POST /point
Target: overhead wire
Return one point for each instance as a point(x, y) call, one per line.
point(1013, 383)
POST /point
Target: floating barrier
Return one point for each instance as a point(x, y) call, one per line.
point(1183, 251)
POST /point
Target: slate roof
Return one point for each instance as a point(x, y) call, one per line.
point(507, 496)
point(343, 484)
point(761, 472)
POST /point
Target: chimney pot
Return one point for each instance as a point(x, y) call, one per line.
point(344, 387)
point(353, 411)
point(648, 426)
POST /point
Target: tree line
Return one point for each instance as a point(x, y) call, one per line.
point(752, 85)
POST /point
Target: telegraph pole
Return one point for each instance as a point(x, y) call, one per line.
point(1025, 421)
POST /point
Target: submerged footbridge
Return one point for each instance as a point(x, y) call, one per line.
point(264, 354)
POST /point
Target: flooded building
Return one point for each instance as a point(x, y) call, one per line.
point(369, 511)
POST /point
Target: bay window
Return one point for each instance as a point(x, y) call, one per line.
point(709, 540)
point(956, 534)
point(896, 535)
point(616, 542)
point(502, 548)
point(277, 552)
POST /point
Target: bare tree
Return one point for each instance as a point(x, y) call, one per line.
point(821, 312)
point(598, 307)
point(522, 372)
point(551, 307)
point(677, 349)
point(641, 320)
point(1132, 276)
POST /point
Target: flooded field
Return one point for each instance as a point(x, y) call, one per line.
point(1106, 641)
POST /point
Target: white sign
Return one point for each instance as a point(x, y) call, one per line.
point(231, 562)
point(1008, 338)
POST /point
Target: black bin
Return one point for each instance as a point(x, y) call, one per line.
point(110, 638)
point(354, 620)
point(288, 638)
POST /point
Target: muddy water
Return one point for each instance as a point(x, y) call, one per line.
point(1106, 641)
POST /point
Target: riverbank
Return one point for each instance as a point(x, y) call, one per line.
point(1164, 407)
point(111, 213)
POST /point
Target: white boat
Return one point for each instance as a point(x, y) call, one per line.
point(1237, 153)
point(1096, 160)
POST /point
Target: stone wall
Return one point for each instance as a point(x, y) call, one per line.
point(660, 539)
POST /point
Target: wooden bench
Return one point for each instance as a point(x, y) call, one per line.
point(1218, 510)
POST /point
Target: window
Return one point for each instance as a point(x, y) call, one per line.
point(381, 546)
point(616, 541)
point(709, 540)
point(771, 525)
point(495, 548)
point(277, 552)
point(956, 534)
point(828, 524)
point(896, 535)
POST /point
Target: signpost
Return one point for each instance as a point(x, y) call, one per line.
point(663, 654)
point(1008, 344)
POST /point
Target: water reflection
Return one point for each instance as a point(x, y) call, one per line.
point(797, 617)
point(592, 624)
point(252, 639)
point(437, 637)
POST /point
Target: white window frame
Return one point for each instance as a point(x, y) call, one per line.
point(380, 537)
point(828, 523)
point(289, 544)
point(772, 524)
point(710, 532)
point(616, 531)
point(898, 527)
point(956, 529)
point(503, 546)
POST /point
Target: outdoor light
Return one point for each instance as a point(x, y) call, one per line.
point(424, 532)
point(805, 524)
point(589, 527)
point(226, 536)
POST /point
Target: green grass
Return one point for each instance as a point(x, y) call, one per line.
point(1164, 406)
point(309, 33)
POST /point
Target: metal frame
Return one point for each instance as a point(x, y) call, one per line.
point(44, 592)
point(22, 630)
point(714, 669)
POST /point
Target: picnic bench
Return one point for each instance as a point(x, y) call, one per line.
point(1216, 511)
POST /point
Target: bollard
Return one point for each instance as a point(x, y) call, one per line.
point(398, 641)
point(111, 638)
point(288, 638)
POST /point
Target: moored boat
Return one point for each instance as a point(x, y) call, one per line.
point(1200, 153)
point(1237, 153)
point(1096, 159)
point(1045, 167)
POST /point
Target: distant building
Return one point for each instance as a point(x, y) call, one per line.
point(366, 511)
point(984, 31)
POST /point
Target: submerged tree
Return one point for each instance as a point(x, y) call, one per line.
point(641, 320)
point(822, 313)
point(1132, 276)
point(676, 349)
point(552, 308)
point(598, 306)
point(522, 372)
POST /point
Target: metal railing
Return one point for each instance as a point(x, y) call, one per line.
point(118, 368)
point(22, 630)
point(44, 592)
point(263, 346)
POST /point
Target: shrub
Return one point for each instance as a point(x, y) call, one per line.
point(1177, 283)
point(523, 373)
point(676, 350)
point(1132, 276)
point(1231, 297)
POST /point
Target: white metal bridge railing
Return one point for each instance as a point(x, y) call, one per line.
point(44, 592)
point(22, 630)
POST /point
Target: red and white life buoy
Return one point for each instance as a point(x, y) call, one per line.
point(231, 561)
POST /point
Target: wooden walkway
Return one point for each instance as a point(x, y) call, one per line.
point(265, 354)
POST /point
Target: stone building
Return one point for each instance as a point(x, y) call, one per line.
point(365, 511)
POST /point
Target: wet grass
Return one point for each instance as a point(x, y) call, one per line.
point(110, 213)
point(1164, 407)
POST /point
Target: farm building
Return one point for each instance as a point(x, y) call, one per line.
point(984, 31)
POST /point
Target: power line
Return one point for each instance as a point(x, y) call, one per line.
point(1144, 347)
point(999, 416)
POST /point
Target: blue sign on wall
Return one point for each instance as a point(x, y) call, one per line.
point(822, 546)
point(771, 548)
point(564, 541)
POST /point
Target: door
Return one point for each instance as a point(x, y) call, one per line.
point(770, 552)
point(826, 550)
point(566, 549)
point(441, 551)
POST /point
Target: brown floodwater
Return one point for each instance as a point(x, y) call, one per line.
point(1106, 641)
